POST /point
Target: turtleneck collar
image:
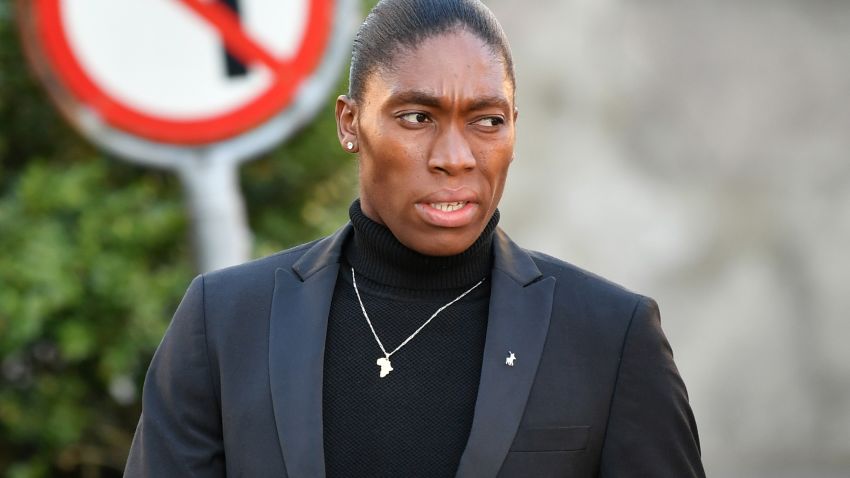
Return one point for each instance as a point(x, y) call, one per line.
point(375, 253)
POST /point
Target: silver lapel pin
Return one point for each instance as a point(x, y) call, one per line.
point(511, 359)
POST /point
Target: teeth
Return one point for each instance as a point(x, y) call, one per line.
point(448, 206)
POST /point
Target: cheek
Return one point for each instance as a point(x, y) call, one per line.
point(385, 177)
point(375, 184)
point(495, 166)
point(399, 163)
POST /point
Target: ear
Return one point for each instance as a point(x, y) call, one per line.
point(516, 115)
point(346, 123)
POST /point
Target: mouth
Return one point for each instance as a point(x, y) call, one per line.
point(450, 214)
point(448, 206)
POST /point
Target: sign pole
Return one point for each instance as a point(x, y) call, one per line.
point(220, 229)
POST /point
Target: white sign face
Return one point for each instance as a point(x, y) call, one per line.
point(162, 58)
point(183, 72)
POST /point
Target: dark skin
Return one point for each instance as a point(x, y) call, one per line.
point(435, 137)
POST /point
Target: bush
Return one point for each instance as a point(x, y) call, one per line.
point(91, 271)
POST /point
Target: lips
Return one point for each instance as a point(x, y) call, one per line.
point(452, 209)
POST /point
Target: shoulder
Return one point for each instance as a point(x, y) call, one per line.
point(582, 281)
point(250, 273)
point(578, 294)
point(303, 260)
point(234, 304)
point(588, 301)
point(244, 292)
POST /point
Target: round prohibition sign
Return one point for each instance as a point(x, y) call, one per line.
point(284, 74)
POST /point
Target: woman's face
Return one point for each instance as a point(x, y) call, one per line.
point(435, 136)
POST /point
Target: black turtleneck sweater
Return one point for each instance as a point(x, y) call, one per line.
point(415, 421)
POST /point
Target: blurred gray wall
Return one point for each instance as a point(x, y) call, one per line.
point(699, 152)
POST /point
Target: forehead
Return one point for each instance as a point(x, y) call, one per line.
point(454, 65)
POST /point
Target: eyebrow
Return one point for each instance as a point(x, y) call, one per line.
point(419, 97)
point(490, 102)
point(415, 97)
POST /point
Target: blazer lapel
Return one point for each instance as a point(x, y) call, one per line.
point(520, 308)
point(297, 330)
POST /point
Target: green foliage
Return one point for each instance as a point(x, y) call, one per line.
point(94, 257)
point(92, 268)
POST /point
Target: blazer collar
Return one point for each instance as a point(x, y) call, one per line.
point(512, 260)
point(323, 253)
point(520, 306)
point(508, 257)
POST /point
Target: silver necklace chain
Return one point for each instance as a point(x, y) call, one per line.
point(384, 362)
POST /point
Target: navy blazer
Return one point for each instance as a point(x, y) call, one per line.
point(235, 387)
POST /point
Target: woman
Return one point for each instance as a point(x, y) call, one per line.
point(418, 340)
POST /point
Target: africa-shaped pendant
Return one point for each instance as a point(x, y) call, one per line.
point(386, 366)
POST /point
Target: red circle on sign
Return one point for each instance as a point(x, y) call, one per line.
point(288, 74)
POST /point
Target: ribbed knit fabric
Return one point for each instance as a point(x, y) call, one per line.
point(415, 421)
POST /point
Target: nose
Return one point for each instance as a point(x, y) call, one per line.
point(451, 153)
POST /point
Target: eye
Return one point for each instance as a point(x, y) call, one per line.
point(416, 118)
point(490, 121)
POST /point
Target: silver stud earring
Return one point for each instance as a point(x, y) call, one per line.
point(349, 145)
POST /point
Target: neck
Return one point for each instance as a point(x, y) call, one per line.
point(375, 253)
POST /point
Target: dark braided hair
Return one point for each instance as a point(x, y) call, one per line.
point(395, 25)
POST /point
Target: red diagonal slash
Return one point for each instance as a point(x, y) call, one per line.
point(288, 74)
point(237, 40)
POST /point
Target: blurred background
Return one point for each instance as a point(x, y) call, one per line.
point(694, 151)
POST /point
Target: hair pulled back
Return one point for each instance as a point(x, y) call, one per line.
point(395, 25)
